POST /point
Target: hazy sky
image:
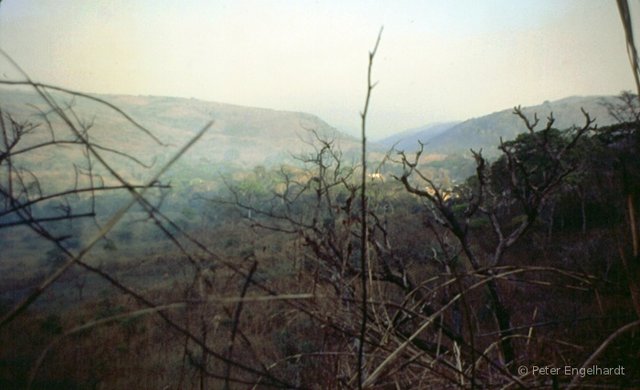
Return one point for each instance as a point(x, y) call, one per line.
point(438, 60)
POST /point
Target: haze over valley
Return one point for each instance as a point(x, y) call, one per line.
point(319, 195)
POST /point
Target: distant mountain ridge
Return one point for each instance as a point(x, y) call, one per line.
point(249, 136)
point(408, 139)
point(246, 136)
point(485, 132)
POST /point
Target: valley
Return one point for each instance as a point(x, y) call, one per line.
point(263, 211)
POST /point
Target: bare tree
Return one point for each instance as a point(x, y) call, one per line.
point(530, 182)
point(24, 190)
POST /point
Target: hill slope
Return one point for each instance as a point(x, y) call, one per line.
point(485, 132)
point(409, 139)
point(244, 136)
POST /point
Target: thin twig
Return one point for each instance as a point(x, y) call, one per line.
point(363, 217)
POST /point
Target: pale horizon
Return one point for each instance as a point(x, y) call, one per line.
point(436, 62)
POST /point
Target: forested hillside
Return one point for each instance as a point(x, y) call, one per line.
point(485, 132)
